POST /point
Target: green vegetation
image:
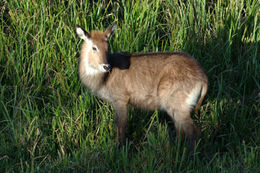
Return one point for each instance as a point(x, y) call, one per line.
point(50, 123)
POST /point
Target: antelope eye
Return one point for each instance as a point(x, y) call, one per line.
point(94, 48)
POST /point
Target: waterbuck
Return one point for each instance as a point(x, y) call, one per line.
point(173, 82)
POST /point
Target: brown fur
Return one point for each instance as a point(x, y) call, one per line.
point(166, 81)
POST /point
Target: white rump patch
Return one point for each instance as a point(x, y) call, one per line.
point(193, 96)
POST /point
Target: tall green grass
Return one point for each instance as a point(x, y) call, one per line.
point(50, 123)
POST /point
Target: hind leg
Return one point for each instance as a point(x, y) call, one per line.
point(184, 126)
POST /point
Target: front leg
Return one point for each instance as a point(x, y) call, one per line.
point(120, 122)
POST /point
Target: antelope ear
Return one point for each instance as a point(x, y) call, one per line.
point(82, 33)
point(110, 30)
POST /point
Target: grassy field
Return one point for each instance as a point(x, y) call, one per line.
point(50, 123)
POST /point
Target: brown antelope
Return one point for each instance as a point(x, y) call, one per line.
point(173, 82)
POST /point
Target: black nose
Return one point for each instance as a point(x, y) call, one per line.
point(107, 67)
